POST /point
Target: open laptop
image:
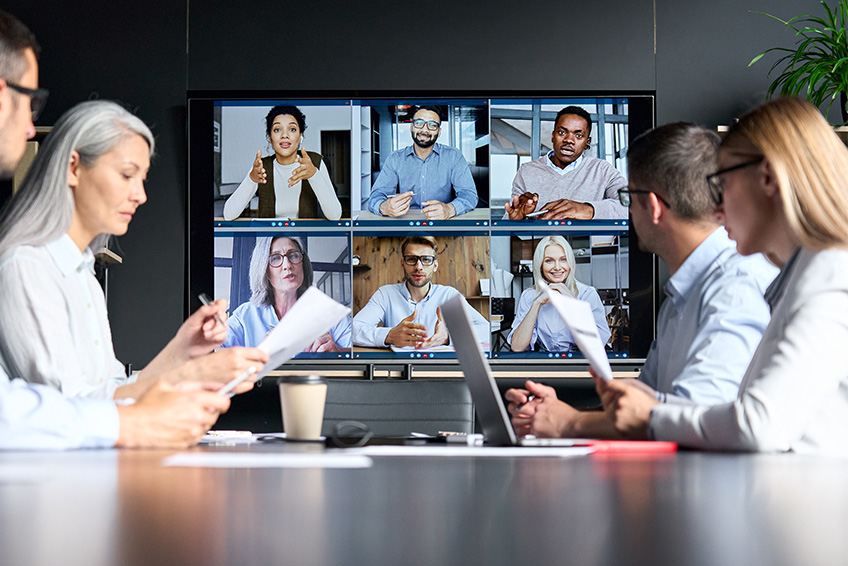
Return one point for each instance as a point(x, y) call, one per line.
point(497, 428)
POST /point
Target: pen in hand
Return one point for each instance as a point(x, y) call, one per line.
point(529, 398)
point(204, 298)
point(228, 388)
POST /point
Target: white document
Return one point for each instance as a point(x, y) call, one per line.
point(312, 315)
point(578, 318)
point(267, 460)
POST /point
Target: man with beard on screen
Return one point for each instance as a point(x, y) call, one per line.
point(426, 175)
point(408, 314)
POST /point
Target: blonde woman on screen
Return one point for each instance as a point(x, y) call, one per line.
point(84, 186)
point(782, 189)
point(537, 324)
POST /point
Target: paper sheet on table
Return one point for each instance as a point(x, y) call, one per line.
point(312, 315)
point(578, 318)
point(267, 460)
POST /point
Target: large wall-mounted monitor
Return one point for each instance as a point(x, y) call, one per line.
point(391, 203)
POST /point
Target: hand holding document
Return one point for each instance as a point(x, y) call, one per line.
point(577, 316)
point(312, 315)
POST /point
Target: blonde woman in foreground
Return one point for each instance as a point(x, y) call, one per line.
point(781, 189)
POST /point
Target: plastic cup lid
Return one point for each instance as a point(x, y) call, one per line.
point(307, 379)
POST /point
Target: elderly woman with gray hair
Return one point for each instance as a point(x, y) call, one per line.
point(84, 187)
point(280, 272)
point(537, 325)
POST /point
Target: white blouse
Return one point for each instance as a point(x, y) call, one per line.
point(55, 327)
point(794, 395)
point(287, 199)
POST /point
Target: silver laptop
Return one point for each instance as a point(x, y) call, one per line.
point(494, 419)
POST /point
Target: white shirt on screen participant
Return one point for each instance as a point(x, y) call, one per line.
point(287, 199)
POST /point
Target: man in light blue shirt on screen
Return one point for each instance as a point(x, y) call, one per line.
point(714, 314)
point(426, 175)
point(407, 315)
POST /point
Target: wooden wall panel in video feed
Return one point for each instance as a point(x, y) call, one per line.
point(463, 262)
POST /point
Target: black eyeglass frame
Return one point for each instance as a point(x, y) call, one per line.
point(428, 123)
point(37, 97)
point(426, 260)
point(717, 188)
point(288, 255)
point(625, 200)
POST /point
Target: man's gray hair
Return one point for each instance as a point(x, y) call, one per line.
point(674, 160)
point(42, 209)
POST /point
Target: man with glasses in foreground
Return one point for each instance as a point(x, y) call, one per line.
point(426, 175)
point(409, 312)
point(714, 313)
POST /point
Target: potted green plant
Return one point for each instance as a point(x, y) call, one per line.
point(818, 66)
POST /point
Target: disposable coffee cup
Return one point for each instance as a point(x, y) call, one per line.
point(302, 400)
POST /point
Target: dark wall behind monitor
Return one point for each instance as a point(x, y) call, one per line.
point(693, 54)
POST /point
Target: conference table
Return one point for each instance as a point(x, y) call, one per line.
point(127, 507)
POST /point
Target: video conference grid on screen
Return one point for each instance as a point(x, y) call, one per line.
point(393, 206)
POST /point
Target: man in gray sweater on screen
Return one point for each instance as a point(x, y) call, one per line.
point(566, 183)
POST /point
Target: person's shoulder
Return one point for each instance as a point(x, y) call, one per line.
point(23, 255)
point(243, 309)
point(527, 294)
point(445, 290)
point(823, 269)
point(583, 287)
point(389, 289)
point(400, 153)
point(599, 164)
point(538, 163)
point(756, 267)
point(447, 150)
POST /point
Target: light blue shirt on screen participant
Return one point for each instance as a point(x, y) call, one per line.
point(38, 417)
point(443, 174)
point(550, 331)
point(249, 324)
point(392, 303)
point(710, 323)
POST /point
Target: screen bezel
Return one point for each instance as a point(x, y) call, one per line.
point(199, 251)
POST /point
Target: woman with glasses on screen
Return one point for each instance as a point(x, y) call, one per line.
point(537, 325)
point(781, 189)
point(292, 182)
point(280, 272)
point(84, 187)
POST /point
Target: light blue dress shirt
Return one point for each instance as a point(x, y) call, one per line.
point(550, 330)
point(249, 324)
point(710, 323)
point(37, 417)
point(392, 303)
point(443, 174)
